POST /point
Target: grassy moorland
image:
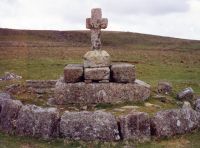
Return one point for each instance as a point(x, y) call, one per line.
point(43, 54)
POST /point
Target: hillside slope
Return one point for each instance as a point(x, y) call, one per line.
point(37, 38)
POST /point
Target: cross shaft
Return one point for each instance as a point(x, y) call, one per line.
point(95, 24)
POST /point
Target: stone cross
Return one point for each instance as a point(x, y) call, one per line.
point(96, 23)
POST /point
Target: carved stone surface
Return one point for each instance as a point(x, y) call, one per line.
point(96, 23)
point(135, 126)
point(8, 113)
point(96, 58)
point(73, 73)
point(123, 73)
point(37, 122)
point(66, 93)
point(102, 73)
point(89, 126)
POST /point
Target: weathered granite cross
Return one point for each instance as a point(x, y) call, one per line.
point(96, 23)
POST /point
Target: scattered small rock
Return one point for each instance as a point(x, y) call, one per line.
point(137, 81)
point(130, 107)
point(10, 76)
point(186, 94)
point(118, 110)
point(164, 88)
point(162, 98)
point(51, 102)
point(147, 104)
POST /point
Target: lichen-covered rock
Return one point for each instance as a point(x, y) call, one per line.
point(89, 126)
point(73, 73)
point(186, 94)
point(123, 73)
point(175, 121)
point(135, 126)
point(5, 96)
point(164, 88)
point(197, 105)
point(74, 93)
point(8, 113)
point(96, 58)
point(38, 122)
point(102, 73)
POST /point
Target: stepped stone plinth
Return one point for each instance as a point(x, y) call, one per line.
point(93, 93)
point(97, 80)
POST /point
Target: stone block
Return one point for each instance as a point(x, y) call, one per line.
point(73, 73)
point(197, 105)
point(96, 58)
point(89, 126)
point(175, 121)
point(164, 88)
point(97, 74)
point(135, 126)
point(123, 73)
point(66, 93)
point(8, 113)
point(186, 94)
point(5, 96)
point(38, 122)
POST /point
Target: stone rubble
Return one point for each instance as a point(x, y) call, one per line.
point(164, 88)
point(186, 94)
point(10, 76)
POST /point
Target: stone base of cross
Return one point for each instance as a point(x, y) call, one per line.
point(96, 57)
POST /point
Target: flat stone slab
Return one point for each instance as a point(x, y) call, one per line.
point(97, 74)
point(77, 93)
point(73, 73)
point(89, 126)
point(123, 73)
